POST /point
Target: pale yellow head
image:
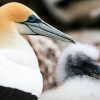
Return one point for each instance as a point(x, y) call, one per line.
point(15, 12)
point(17, 17)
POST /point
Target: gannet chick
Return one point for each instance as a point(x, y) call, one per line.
point(77, 60)
point(20, 77)
point(78, 74)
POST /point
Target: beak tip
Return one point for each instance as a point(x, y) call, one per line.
point(73, 41)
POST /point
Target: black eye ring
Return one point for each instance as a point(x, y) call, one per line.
point(31, 18)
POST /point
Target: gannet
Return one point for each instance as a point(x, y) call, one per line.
point(78, 74)
point(20, 77)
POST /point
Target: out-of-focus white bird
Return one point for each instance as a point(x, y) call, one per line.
point(78, 74)
point(20, 77)
point(72, 14)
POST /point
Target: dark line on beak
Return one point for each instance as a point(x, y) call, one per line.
point(46, 31)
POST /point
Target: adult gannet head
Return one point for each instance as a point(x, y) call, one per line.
point(25, 21)
point(78, 60)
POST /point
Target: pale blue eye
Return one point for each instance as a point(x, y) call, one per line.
point(31, 18)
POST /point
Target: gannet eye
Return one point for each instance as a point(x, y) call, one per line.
point(32, 19)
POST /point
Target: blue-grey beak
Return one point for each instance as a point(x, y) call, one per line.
point(42, 28)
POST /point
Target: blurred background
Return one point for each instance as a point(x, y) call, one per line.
point(78, 18)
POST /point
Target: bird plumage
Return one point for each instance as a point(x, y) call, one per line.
point(20, 77)
point(18, 63)
point(78, 74)
point(76, 52)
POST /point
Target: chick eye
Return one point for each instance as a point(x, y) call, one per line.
point(31, 18)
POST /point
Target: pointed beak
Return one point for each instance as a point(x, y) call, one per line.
point(44, 29)
point(93, 71)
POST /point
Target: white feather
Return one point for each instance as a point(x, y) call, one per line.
point(19, 67)
point(21, 77)
point(75, 89)
point(89, 50)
